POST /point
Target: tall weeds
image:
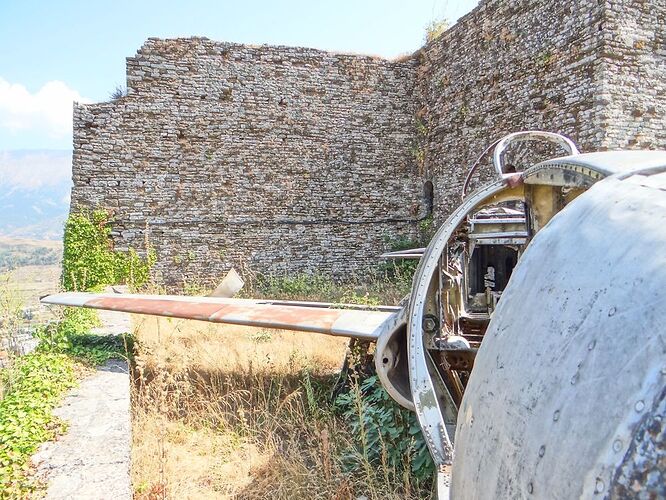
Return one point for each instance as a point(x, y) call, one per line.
point(218, 413)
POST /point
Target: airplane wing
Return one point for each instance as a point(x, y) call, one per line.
point(412, 253)
point(345, 320)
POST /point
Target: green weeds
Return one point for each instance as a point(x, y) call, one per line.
point(387, 284)
point(385, 435)
point(34, 386)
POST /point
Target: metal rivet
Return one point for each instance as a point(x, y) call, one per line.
point(530, 488)
point(612, 311)
point(639, 406)
point(556, 415)
point(542, 450)
point(617, 445)
point(599, 486)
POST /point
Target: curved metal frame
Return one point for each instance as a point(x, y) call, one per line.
point(500, 146)
point(425, 381)
point(529, 135)
point(423, 374)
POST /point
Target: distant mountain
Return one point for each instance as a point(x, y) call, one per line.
point(34, 193)
point(37, 214)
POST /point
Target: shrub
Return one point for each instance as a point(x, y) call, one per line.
point(385, 434)
point(435, 29)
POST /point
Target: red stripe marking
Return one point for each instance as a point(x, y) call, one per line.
point(186, 310)
point(306, 317)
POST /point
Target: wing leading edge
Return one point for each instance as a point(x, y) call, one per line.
point(307, 317)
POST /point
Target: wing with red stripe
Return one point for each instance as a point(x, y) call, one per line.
point(308, 317)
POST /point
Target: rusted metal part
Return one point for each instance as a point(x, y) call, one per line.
point(366, 325)
point(514, 180)
point(451, 381)
point(460, 359)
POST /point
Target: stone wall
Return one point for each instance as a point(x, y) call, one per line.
point(507, 66)
point(290, 160)
point(281, 159)
point(594, 70)
point(633, 93)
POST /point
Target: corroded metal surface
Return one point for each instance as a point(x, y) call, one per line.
point(366, 325)
point(643, 469)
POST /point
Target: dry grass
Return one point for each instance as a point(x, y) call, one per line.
point(231, 412)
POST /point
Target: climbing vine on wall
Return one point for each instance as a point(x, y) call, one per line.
point(89, 260)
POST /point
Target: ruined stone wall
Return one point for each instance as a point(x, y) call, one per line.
point(594, 70)
point(281, 159)
point(293, 160)
point(633, 93)
point(505, 67)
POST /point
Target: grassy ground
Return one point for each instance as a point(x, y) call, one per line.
point(231, 412)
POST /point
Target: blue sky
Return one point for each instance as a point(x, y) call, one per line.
point(55, 51)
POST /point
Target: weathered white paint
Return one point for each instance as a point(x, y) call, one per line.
point(575, 355)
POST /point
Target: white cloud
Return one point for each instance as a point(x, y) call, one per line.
point(48, 110)
point(32, 169)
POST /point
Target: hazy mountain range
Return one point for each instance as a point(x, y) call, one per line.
point(34, 193)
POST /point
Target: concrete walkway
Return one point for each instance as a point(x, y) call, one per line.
point(92, 460)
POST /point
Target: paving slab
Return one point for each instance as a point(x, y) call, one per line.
point(92, 460)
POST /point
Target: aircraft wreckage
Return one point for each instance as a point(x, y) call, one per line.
point(532, 346)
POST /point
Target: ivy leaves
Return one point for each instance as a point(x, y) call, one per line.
point(89, 260)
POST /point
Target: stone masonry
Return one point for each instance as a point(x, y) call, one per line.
point(282, 159)
point(287, 160)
